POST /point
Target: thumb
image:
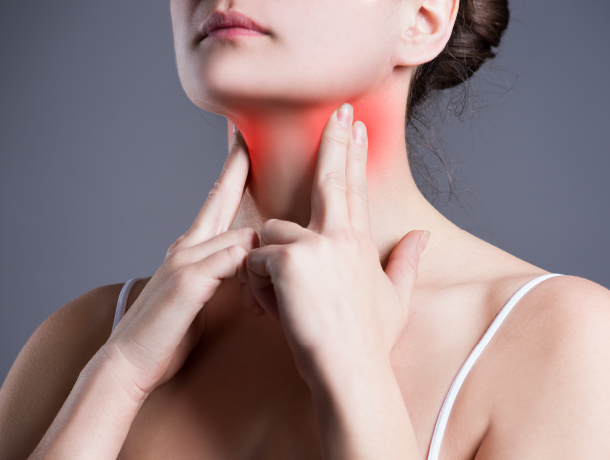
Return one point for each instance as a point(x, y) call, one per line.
point(404, 260)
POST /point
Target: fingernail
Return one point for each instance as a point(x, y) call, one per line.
point(423, 241)
point(343, 115)
point(359, 134)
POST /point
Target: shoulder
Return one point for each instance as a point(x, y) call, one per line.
point(48, 366)
point(568, 311)
point(553, 373)
point(568, 319)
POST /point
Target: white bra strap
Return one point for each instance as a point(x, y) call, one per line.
point(122, 303)
point(443, 417)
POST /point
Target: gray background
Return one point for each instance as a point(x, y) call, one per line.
point(104, 162)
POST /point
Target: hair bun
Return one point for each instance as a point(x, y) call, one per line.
point(477, 31)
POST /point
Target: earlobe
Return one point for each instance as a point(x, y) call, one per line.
point(423, 41)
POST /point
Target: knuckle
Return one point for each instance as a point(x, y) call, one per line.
point(359, 154)
point(287, 256)
point(175, 246)
point(346, 236)
point(221, 188)
point(333, 180)
point(408, 268)
point(236, 252)
point(177, 259)
point(315, 247)
point(340, 139)
point(358, 191)
point(412, 267)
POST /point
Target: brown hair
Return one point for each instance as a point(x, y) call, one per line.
point(478, 29)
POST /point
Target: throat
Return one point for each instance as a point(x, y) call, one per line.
point(283, 145)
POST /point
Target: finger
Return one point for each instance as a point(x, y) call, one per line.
point(249, 301)
point(276, 231)
point(328, 199)
point(259, 264)
point(244, 237)
point(230, 131)
point(245, 292)
point(222, 203)
point(196, 283)
point(355, 176)
point(404, 260)
point(191, 287)
point(264, 296)
point(210, 271)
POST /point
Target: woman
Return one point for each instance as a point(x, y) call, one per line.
point(327, 238)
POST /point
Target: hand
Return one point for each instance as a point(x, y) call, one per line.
point(163, 325)
point(325, 282)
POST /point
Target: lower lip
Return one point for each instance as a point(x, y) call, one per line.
point(232, 32)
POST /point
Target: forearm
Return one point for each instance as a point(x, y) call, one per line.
point(95, 419)
point(361, 412)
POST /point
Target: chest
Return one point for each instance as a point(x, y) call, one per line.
point(239, 396)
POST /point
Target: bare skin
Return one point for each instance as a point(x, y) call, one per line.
point(271, 415)
point(538, 391)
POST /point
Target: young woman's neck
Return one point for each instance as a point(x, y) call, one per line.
point(283, 145)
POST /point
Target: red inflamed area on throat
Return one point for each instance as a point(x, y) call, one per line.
point(384, 125)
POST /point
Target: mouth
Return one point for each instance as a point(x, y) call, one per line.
point(228, 25)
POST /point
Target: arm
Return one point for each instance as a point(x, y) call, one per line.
point(553, 395)
point(551, 387)
point(157, 333)
point(342, 316)
point(361, 412)
point(341, 312)
point(95, 419)
point(48, 366)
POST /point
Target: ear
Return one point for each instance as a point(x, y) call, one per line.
point(426, 30)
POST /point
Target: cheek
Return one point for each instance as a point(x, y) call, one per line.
point(338, 49)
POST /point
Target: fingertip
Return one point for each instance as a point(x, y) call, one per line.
point(265, 229)
point(345, 114)
point(268, 223)
point(359, 133)
point(250, 238)
point(408, 246)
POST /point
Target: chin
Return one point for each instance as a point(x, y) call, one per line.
point(228, 83)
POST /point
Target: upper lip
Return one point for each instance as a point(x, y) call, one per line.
point(230, 19)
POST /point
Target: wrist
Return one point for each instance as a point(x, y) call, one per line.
point(333, 366)
point(361, 410)
point(342, 375)
point(110, 365)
